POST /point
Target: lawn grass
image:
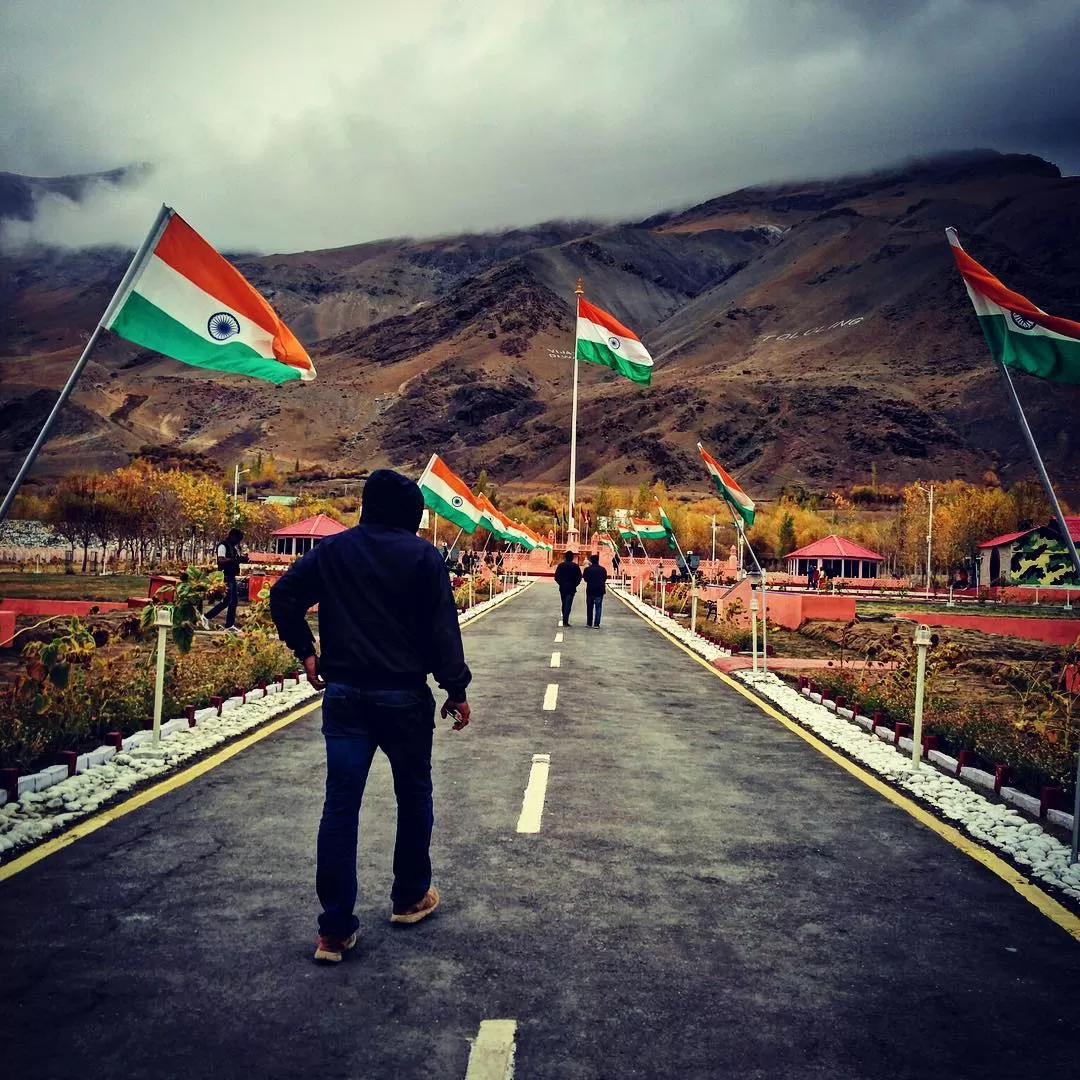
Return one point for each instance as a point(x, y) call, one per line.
point(117, 587)
point(868, 608)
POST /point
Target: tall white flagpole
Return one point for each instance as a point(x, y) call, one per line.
point(572, 532)
point(133, 270)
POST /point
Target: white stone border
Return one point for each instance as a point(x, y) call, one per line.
point(994, 825)
point(51, 800)
point(702, 646)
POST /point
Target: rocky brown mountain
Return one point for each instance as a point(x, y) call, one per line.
point(807, 332)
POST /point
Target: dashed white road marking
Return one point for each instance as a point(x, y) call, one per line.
point(558, 638)
point(551, 697)
point(492, 1053)
point(556, 659)
point(532, 807)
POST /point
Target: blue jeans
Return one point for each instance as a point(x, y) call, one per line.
point(567, 603)
point(593, 606)
point(356, 723)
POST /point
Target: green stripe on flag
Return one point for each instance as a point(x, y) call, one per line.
point(595, 353)
point(147, 325)
point(1054, 358)
point(447, 510)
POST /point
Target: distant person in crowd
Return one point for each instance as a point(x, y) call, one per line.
point(386, 619)
point(229, 559)
point(616, 562)
point(675, 576)
point(568, 578)
point(499, 561)
point(446, 554)
point(595, 578)
point(811, 575)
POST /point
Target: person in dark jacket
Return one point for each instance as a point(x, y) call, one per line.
point(568, 578)
point(595, 578)
point(386, 619)
point(228, 562)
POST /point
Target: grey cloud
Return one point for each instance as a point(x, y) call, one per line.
point(283, 126)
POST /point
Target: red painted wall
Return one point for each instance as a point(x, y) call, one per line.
point(7, 628)
point(1054, 631)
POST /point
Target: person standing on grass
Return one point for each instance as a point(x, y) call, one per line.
point(568, 578)
point(595, 578)
point(386, 619)
point(228, 562)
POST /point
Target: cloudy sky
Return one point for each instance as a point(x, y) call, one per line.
point(280, 126)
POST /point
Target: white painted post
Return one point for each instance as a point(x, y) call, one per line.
point(1066, 606)
point(753, 628)
point(693, 609)
point(163, 622)
point(470, 590)
point(922, 643)
point(663, 594)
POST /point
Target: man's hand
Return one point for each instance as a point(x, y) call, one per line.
point(459, 710)
point(311, 666)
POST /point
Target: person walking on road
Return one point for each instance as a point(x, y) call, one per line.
point(228, 562)
point(595, 578)
point(568, 578)
point(386, 619)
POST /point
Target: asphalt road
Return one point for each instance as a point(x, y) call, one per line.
point(707, 897)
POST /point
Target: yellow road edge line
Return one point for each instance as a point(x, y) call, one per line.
point(185, 776)
point(148, 795)
point(1046, 904)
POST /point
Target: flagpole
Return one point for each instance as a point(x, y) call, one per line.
point(133, 270)
point(741, 527)
point(571, 533)
point(1063, 526)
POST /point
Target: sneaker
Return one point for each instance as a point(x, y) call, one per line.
point(420, 910)
point(204, 622)
point(332, 949)
point(234, 630)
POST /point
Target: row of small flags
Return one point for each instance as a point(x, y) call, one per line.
point(447, 495)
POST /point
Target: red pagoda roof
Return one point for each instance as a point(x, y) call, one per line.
point(834, 547)
point(318, 526)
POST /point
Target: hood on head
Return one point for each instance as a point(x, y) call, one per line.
point(391, 499)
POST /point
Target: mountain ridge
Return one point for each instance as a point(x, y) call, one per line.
point(809, 332)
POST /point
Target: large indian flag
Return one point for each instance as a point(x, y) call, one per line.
point(449, 496)
point(729, 490)
point(1020, 335)
point(189, 303)
point(602, 339)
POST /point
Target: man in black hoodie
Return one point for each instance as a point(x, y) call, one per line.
point(568, 578)
point(386, 619)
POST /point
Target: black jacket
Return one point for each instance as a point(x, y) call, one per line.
point(568, 576)
point(595, 578)
point(386, 611)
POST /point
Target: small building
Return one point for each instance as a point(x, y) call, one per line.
point(1037, 556)
point(304, 535)
point(834, 557)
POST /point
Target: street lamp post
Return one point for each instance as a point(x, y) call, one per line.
point(922, 643)
point(237, 473)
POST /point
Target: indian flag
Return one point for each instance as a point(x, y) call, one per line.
point(185, 301)
point(1020, 335)
point(648, 530)
point(449, 496)
point(602, 339)
point(669, 529)
point(725, 484)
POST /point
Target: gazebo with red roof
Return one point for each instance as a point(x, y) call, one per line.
point(304, 535)
point(835, 557)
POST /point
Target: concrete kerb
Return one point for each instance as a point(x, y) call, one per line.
point(103, 775)
point(1038, 854)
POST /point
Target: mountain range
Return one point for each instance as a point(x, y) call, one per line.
point(812, 333)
